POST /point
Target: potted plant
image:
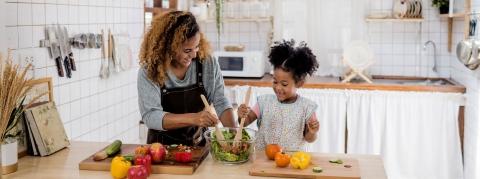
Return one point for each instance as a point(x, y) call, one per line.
point(442, 5)
point(13, 89)
point(216, 11)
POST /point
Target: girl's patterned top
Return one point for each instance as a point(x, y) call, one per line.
point(281, 123)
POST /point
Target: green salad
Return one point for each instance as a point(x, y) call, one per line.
point(229, 153)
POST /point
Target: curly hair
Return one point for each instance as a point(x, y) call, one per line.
point(167, 33)
point(298, 60)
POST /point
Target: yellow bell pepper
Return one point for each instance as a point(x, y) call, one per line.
point(300, 160)
point(119, 167)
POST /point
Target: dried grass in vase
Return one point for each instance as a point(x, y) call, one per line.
point(13, 89)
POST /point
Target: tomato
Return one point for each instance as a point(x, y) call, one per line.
point(142, 150)
point(282, 159)
point(271, 150)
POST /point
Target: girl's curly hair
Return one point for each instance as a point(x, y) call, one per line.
point(167, 34)
point(298, 60)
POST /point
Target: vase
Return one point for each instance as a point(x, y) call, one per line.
point(443, 9)
point(9, 157)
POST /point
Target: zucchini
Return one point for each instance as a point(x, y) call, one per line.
point(113, 148)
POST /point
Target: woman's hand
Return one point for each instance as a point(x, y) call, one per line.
point(313, 125)
point(243, 111)
point(205, 119)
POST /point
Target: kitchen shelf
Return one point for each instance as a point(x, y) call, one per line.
point(157, 10)
point(461, 15)
point(265, 19)
point(394, 20)
point(455, 15)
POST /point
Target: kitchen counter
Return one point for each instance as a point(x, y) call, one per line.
point(388, 83)
point(64, 164)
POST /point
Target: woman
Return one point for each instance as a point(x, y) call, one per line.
point(176, 68)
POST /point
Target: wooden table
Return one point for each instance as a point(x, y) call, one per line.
point(64, 164)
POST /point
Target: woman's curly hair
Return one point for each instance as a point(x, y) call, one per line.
point(298, 60)
point(167, 34)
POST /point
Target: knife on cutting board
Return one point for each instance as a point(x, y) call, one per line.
point(64, 55)
point(54, 50)
point(68, 47)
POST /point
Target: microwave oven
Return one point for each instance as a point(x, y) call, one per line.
point(241, 64)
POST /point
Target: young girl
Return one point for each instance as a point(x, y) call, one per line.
point(285, 118)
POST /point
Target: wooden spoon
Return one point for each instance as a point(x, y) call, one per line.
point(238, 135)
point(218, 133)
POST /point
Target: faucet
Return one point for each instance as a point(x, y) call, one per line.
point(434, 53)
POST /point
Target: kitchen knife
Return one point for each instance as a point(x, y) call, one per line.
point(64, 55)
point(69, 49)
point(54, 49)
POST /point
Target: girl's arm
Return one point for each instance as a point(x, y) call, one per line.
point(311, 129)
point(250, 115)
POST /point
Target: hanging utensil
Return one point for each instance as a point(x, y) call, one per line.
point(68, 47)
point(54, 50)
point(104, 71)
point(63, 51)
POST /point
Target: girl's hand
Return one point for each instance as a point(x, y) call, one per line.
point(313, 125)
point(205, 119)
point(242, 111)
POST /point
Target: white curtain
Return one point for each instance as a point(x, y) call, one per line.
point(331, 113)
point(326, 25)
point(415, 132)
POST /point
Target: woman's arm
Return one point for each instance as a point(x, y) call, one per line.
point(215, 88)
point(175, 121)
point(149, 102)
point(227, 118)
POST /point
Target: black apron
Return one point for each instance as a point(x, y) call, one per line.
point(179, 101)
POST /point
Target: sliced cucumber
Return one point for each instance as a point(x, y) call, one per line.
point(337, 161)
point(317, 169)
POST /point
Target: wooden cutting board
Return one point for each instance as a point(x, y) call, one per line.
point(264, 167)
point(169, 166)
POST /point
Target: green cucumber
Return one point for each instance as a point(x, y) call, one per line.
point(113, 148)
point(337, 161)
point(317, 169)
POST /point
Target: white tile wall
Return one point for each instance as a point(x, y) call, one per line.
point(92, 109)
point(399, 46)
point(254, 35)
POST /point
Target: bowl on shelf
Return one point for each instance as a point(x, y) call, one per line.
point(225, 152)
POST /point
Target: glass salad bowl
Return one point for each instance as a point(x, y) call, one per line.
point(227, 151)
